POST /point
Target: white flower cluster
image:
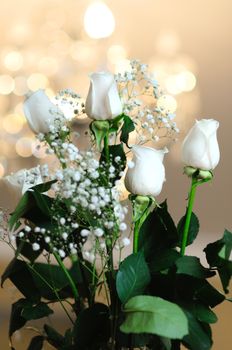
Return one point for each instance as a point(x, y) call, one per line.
point(93, 206)
point(140, 92)
point(70, 103)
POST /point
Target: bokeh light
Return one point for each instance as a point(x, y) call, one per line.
point(24, 147)
point(99, 21)
point(21, 87)
point(116, 53)
point(168, 103)
point(7, 84)
point(13, 123)
point(37, 81)
point(13, 60)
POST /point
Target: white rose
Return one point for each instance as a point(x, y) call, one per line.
point(13, 186)
point(147, 175)
point(103, 101)
point(40, 112)
point(200, 147)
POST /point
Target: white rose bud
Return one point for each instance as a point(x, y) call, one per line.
point(200, 147)
point(103, 101)
point(13, 186)
point(40, 112)
point(147, 176)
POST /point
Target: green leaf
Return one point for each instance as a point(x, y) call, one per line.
point(36, 343)
point(163, 260)
point(21, 208)
point(53, 337)
point(25, 248)
point(40, 310)
point(193, 229)
point(147, 314)
point(190, 265)
point(218, 255)
point(16, 319)
point(17, 271)
point(133, 277)
point(209, 295)
point(158, 232)
point(128, 127)
point(30, 200)
point(92, 327)
point(197, 338)
point(204, 314)
point(53, 275)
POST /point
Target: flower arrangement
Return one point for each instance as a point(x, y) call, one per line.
point(71, 232)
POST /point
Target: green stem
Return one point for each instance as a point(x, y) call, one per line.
point(136, 236)
point(72, 284)
point(192, 194)
point(106, 148)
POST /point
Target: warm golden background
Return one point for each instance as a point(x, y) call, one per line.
point(188, 45)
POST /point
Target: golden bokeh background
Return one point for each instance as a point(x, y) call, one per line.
point(55, 44)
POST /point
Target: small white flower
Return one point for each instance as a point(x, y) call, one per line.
point(126, 241)
point(122, 226)
point(85, 233)
point(21, 234)
point(98, 232)
point(62, 221)
point(64, 235)
point(61, 253)
point(47, 239)
point(35, 246)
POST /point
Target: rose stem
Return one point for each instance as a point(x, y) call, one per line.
point(192, 194)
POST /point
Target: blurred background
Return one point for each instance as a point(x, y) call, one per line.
point(55, 44)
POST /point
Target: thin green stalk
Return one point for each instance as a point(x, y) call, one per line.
point(72, 284)
point(53, 289)
point(136, 236)
point(106, 148)
point(191, 198)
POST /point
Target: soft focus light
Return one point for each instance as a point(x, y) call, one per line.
point(13, 61)
point(122, 66)
point(7, 84)
point(168, 43)
point(24, 147)
point(2, 170)
point(82, 52)
point(188, 81)
point(48, 65)
point(13, 123)
point(98, 20)
point(168, 103)
point(37, 81)
point(178, 83)
point(116, 53)
point(21, 87)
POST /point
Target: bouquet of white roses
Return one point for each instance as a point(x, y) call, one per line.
point(149, 296)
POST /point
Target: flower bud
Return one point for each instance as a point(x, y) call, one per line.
point(200, 147)
point(148, 174)
point(40, 112)
point(103, 101)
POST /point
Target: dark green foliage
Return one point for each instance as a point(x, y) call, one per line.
point(218, 256)
point(133, 277)
point(127, 128)
point(36, 343)
point(92, 327)
point(193, 229)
